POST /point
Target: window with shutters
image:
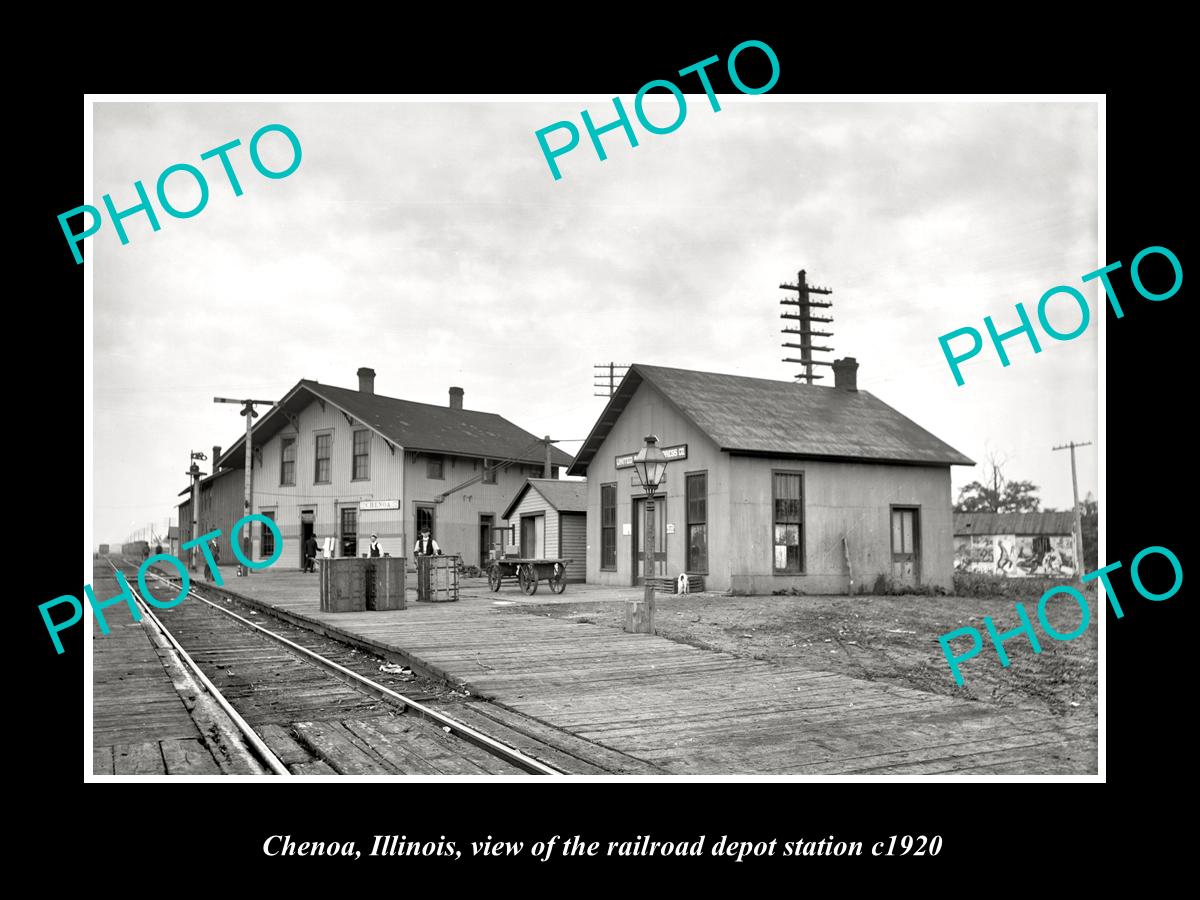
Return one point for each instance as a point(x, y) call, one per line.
point(608, 526)
point(697, 523)
point(788, 526)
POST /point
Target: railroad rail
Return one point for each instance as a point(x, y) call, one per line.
point(222, 649)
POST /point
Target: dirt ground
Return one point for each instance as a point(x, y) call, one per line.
point(883, 638)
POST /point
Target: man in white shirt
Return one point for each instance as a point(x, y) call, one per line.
point(426, 545)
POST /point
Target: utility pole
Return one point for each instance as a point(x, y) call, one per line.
point(1075, 492)
point(805, 317)
point(250, 413)
point(608, 383)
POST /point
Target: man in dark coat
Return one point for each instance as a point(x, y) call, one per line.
point(310, 553)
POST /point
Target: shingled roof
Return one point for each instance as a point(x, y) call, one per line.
point(779, 418)
point(414, 426)
point(564, 496)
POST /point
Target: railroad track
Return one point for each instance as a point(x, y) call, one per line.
point(299, 712)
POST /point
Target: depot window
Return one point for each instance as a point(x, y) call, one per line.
point(608, 526)
point(324, 464)
point(788, 526)
point(287, 463)
point(435, 468)
point(361, 466)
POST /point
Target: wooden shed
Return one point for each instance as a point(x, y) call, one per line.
point(549, 520)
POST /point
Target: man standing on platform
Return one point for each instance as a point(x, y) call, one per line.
point(310, 553)
point(375, 548)
point(426, 545)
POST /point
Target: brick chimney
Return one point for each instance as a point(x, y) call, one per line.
point(845, 374)
point(366, 380)
point(216, 456)
point(456, 395)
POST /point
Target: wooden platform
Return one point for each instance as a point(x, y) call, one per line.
point(686, 710)
point(140, 723)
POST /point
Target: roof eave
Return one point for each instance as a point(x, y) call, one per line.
point(830, 457)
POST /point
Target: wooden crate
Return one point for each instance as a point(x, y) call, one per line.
point(344, 585)
point(385, 583)
point(437, 578)
point(671, 585)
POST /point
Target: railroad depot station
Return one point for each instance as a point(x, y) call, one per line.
point(770, 485)
point(771, 489)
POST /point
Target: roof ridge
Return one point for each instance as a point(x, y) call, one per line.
point(480, 412)
point(645, 366)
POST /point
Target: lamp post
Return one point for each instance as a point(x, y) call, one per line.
point(651, 466)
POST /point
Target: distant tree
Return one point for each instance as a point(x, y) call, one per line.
point(997, 494)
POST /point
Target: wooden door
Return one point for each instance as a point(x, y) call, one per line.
point(485, 538)
point(639, 539)
point(533, 537)
point(906, 547)
point(307, 527)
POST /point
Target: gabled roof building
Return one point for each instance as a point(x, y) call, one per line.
point(771, 485)
point(334, 462)
point(548, 519)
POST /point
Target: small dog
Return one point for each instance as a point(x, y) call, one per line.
point(683, 584)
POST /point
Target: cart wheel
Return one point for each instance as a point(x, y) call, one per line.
point(558, 578)
point(528, 579)
point(494, 578)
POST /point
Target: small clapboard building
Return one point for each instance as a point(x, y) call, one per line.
point(341, 464)
point(770, 485)
point(548, 520)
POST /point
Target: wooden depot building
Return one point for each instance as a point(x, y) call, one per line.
point(769, 485)
point(340, 463)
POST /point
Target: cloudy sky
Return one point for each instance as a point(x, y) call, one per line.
point(430, 242)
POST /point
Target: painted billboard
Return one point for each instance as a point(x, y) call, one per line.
point(1016, 556)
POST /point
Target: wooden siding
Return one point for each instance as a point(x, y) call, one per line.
point(534, 504)
point(649, 413)
point(222, 501)
point(851, 500)
point(456, 518)
point(327, 500)
point(572, 530)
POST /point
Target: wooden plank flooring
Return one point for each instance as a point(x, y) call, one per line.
point(691, 711)
point(140, 723)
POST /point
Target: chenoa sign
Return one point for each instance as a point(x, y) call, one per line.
point(378, 504)
point(673, 454)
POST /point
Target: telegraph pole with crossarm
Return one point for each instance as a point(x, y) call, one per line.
point(1075, 492)
point(250, 413)
point(805, 318)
